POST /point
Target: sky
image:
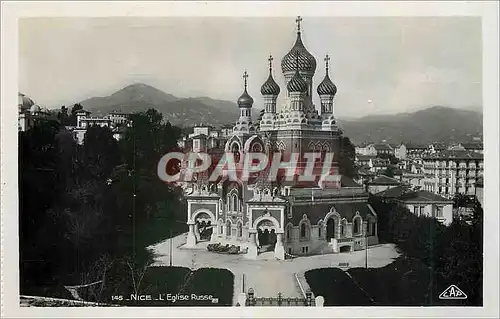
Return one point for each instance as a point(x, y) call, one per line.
point(380, 65)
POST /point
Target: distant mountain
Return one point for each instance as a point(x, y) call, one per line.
point(179, 111)
point(437, 123)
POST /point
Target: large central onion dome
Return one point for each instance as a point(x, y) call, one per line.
point(307, 62)
point(245, 100)
point(270, 87)
point(297, 83)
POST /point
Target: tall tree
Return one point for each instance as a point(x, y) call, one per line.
point(347, 158)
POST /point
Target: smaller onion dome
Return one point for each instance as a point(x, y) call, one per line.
point(35, 108)
point(270, 87)
point(297, 83)
point(326, 87)
point(245, 100)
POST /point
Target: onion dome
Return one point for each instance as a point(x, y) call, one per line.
point(35, 108)
point(24, 102)
point(297, 83)
point(245, 99)
point(270, 87)
point(307, 62)
point(326, 87)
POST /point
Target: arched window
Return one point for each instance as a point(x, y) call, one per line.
point(343, 228)
point(289, 233)
point(320, 226)
point(303, 233)
point(240, 230)
point(234, 200)
point(357, 226)
point(228, 228)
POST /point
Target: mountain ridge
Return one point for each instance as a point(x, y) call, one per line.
point(435, 123)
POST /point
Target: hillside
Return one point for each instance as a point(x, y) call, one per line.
point(436, 123)
point(179, 111)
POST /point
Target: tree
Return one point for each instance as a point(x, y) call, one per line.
point(71, 120)
point(392, 159)
point(389, 171)
point(347, 158)
point(100, 152)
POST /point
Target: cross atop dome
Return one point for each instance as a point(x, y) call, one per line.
point(327, 59)
point(270, 59)
point(298, 20)
point(245, 77)
point(307, 62)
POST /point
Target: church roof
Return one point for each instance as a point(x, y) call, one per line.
point(315, 212)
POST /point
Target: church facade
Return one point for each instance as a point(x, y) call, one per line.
point(284, 217)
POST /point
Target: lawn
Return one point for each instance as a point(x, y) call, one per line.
point(336, 287)
point(174, 286)
point(405, 282)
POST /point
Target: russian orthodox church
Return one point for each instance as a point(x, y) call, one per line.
point(281, 216)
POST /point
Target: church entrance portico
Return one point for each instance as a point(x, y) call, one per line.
point(266, 235)
point(202, 227)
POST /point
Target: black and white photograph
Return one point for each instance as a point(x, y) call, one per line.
point(248, 163)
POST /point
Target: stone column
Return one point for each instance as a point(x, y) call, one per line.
point(279, 250)
point(197, 232)
point(191, 237)
point(215, 230)
point(252, 246)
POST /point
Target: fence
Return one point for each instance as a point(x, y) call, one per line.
point(249, 300)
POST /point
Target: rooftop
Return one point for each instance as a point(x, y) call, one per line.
point(455, 154)
point(384, 180)
point(406, 194)
point(383, 147)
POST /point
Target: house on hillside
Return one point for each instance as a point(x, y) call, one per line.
point(415, 150)
point(366, 150)
point(436, 147)
point(400, 151)
point(383, 149)
point(379, 164)
point(382, 183)
point(421, 203)
point(364, 160)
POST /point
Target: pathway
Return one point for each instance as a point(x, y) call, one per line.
point(267, 276)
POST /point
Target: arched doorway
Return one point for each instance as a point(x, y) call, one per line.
point(204, 222)
point(205, 229)
point(263, 237)
point(330, 229)
point(266, 235)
